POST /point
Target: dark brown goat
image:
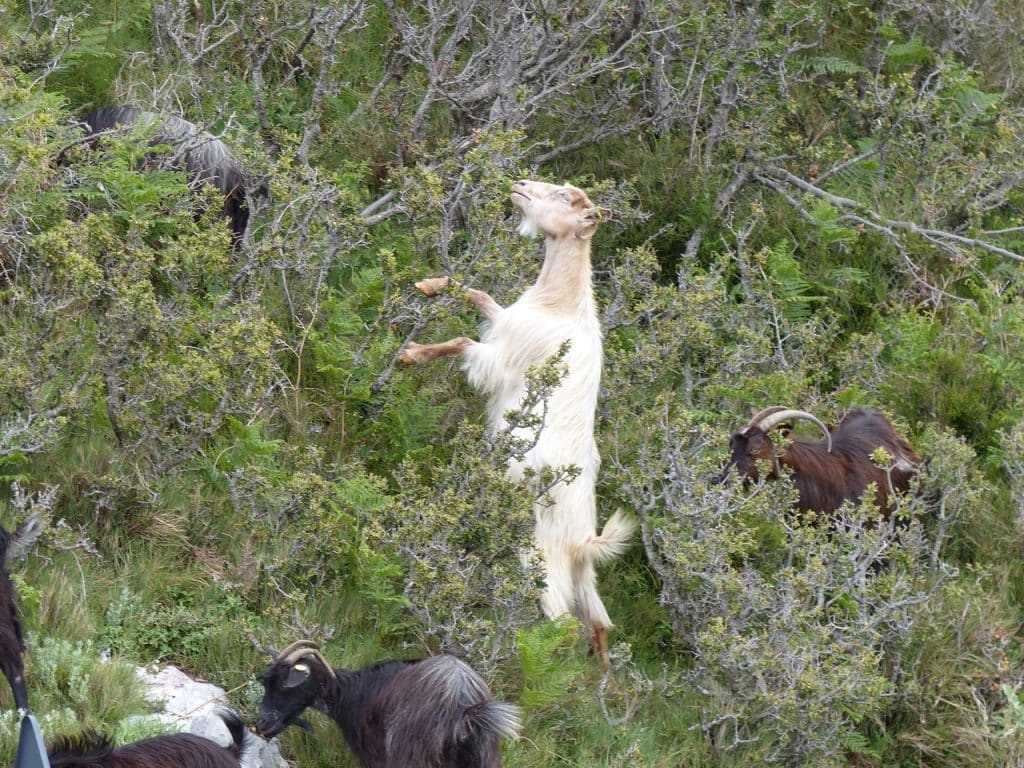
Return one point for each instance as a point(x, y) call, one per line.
point(830, 471)
point(11, 645)
point(429, 713)
point(173, 750)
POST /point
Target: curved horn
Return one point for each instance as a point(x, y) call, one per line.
point(762, 414)
point(296, 646)
point(301, 648)
point(779, 416)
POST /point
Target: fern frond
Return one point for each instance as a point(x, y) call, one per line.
point(832, 65)
point(903, 54)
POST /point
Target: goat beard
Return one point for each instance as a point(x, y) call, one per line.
point(528, 228)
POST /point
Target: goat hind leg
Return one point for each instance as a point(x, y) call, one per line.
point(557, 598)
point(599, 645)
point(592, 612)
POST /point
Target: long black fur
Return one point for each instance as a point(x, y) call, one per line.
point(206, 159)
point(431, 713)
point(174, 750)
point(12, 647)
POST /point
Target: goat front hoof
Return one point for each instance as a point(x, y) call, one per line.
point(432, 286)
point(411, 354)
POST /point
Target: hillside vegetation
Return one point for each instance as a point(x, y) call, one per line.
point(816, 204)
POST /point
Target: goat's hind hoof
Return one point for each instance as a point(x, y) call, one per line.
point(432, 286)
point(598, 647)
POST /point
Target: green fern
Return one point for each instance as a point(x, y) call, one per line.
point(91, 66)
point(899, 55)
point(973, 102)
point(829, 228)
point(247, 444)
point(832, 65)
point(547, 653)
point(858, 744)
point(856, 180)
point(844, 277)
point(788, 283)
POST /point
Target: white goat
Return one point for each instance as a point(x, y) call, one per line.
point(559, 307)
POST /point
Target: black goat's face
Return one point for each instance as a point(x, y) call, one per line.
point(747, 448)
point(288, 689)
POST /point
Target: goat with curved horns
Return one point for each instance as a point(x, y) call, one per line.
point(206, 159)
point(830, 471)
point(430, 713)
point(559, 307)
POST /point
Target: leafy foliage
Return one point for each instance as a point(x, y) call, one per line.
point(816, 205)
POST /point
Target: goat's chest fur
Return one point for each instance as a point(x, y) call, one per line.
point(527, 334)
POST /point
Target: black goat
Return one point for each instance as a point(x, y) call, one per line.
point(431, 713)
point(830, 471)
point(206, 159)
point(173, 750)
point(11, 645)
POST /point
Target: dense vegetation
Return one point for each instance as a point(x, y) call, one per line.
point(817, 204)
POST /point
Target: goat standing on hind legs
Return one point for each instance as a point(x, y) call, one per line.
point(559, 307)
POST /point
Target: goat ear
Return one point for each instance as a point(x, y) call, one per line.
point(591, 218)
point(297, 675)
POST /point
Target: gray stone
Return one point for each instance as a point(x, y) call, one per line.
point(183, 698)
point(257, 752)
point(260, 753)
point(191, 706)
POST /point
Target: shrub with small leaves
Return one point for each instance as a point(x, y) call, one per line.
point(465, 533)
point(100, 691)
point(799, 625)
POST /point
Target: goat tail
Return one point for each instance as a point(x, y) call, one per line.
point(23, 539)
point(236, 727)
point(495, 718)
point(612, 542)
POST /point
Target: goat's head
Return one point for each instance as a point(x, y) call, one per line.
point(753, 443)
point(556, 210)
point(293, 681)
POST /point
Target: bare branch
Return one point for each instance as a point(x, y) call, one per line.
point(948, 241)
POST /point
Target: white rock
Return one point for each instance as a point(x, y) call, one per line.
point(183, 698)
point(191, 706)
point(257, 752)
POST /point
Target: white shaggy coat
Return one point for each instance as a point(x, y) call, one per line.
point(559, 307)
